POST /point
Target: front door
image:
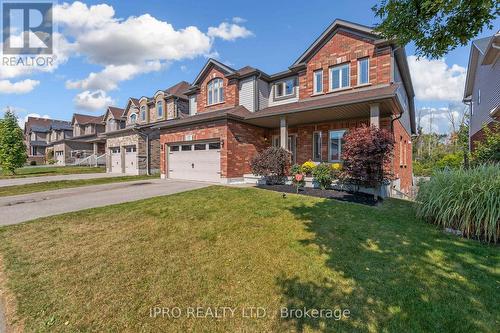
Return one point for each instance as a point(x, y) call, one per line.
point(292, 147)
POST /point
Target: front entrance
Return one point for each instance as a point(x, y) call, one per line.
point(194, 161)
point(292, 145)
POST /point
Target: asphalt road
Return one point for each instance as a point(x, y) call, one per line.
point(31, 180)
point(21, 208)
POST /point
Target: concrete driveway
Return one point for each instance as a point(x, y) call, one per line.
point(31, 180)
point(21, 208)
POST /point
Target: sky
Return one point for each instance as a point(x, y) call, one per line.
point(108, 51)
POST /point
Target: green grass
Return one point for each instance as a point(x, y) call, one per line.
point(60, 184)
point(103, 269)
point(49, 171)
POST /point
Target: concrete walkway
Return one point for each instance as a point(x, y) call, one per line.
point(31, 180)
point(21, 208)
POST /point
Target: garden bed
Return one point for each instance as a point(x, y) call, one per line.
point(355, 197)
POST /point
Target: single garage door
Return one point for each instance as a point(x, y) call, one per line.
point(116, 160)
point(59, 157)
point(131, 160)
point(195, 161)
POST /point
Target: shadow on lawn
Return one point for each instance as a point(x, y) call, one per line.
point(394, 273)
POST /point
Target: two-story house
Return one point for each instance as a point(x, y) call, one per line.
point(133, 145)
point(482, 86)
point(349, 76)
point(38, 136)
point(84, 142)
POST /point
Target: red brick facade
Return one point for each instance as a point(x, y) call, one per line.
point(230, 92)
point(344, 47)
point(402, 157)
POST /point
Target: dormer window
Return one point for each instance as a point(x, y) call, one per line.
point(133, 118)
point(284, 88)
point(143, 113)
point(339, 77)
point(215, 91)
point(159, 109)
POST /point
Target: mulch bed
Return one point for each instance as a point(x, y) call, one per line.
point(360, 198)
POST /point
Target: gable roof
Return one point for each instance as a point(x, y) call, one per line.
point(209, 64)
point(43, 124)
point(84, 119)
point(116, 113)
point(477, 52)
point(177, 90)
point(332, 29)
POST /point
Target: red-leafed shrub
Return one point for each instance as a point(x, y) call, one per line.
point(367, 155)
point(272, 163)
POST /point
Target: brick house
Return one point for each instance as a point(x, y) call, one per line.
point(132, 144)
point(349, 76)
point(482, 86)
point(40, 132)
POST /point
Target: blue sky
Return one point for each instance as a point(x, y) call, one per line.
point(237, 33)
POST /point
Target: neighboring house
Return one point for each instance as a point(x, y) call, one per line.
point(133, 146)
point(38, 135)
point(348, 77)
point(84, 142)
point(482, 86)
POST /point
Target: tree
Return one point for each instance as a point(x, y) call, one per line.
point(367, 155)
point(272, 163)
point(12, 147)
point(436, 26)
point(488, 149)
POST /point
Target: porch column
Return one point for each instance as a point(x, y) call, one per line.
point(374, 115)
point(283, 133)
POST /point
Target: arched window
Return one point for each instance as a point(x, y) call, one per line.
point(215, 91)
point(133, 118)
point(159, 109)
point(143, 113)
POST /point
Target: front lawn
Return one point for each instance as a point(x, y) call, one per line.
point(104, 269)
point(36, 171)
point(61, 184)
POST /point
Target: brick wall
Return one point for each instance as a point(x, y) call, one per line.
point(230, 92)
point(479, 135)
point(402, 155)
point(345, 47)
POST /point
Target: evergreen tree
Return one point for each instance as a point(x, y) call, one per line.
point(12, 148)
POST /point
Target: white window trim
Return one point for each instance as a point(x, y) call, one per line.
point(315, 82)
point(143, 112)
point(220, 97)
point(340, 77)
point(283, 83)
point(330, 146)
point(130, 118)
point(320, 145)
point(359, 71)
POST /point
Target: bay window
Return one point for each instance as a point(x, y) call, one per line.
point(336, 140)
point(215, 91)
point(339, 77)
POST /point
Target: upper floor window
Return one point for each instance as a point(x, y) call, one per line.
point(215, 91)
point(339, 77)
point(363, 71)
point(284, 88)
point(143, 113)
point(318, 81)
point(133, 118)
point(159, 108)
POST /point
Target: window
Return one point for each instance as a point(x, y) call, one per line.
point(159, 109)
point(143, 113)
point(284, 88)
point(200, 146)
point(318, 82)
point(317, 146)
point(186, 147)
point(133, 118)
point(214, 145)
point(115, 150)
point(363, 71)
point(215, 91)
point(336, 142)
point(174, 148)
point(339, 77)
point(276, 141)
point(478, 96)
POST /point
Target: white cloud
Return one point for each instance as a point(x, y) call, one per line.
point(93, 100)
point(109, 78)
point(440, 120)
point(227, 31)
point(20, 87)
point(238, 20)
point(22, 115)
point(434, 80)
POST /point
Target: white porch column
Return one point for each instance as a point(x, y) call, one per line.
point(374, 115)
point(283, 133)
point(95, 148)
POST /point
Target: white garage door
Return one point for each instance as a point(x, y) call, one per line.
point(116, 160)
point(195, 161)
point(131, 160)
point(59, 157)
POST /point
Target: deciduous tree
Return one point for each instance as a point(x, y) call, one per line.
point(12, 148)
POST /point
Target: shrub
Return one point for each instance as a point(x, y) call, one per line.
point(423, 169)
point(450, 161)
point(51, 161)
point(367, 155)
point(323, 174)
point(308, 167)
point(488, 150)
point(466, 200)
point(272, 163)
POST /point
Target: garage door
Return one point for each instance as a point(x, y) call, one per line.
point(116, 160)
point(131, 160)
point(195, 161)
point(59, 157)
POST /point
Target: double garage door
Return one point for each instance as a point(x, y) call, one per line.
point(194, 161)
point(130, 160)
